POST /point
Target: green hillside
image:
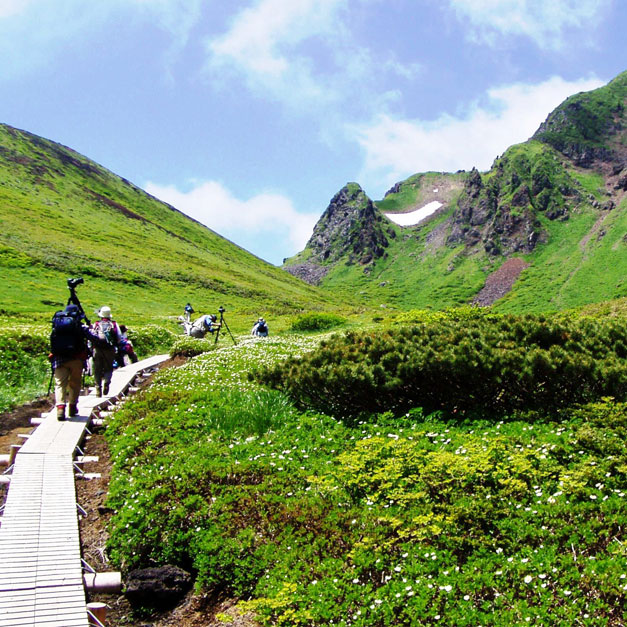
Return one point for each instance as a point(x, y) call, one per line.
point(62, 215)
point(556, 203)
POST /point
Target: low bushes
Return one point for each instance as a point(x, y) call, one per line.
point(152, 339)
point(187, 346)
point(396, 520)
point(24, 365)
point(317, 322)
point(492, 364)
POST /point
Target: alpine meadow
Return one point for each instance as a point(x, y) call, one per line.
point(433, 433)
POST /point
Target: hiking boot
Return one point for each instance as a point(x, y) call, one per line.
point(73, 411)
point(105, 389)
point(60, 412)
point(98, 391)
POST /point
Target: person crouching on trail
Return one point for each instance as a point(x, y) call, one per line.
point(68, 353)
point(203, 325)
point(105, 349)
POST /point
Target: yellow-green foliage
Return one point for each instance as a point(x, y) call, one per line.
point(24, 366)
point(317, 322)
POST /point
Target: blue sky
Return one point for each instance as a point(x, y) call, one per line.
point(249, 115)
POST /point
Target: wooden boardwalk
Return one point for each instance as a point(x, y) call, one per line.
point(41, 572)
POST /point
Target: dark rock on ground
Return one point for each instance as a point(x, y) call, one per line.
point(157, 587)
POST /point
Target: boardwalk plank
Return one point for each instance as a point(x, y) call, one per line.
point(42, 579)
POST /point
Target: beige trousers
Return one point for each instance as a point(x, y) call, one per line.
point(67, 381)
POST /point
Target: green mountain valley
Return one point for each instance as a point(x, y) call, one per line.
point(433, 433)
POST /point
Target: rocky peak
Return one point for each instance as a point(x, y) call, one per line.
point(349, 230)
point(499, 211)
point(350, 224)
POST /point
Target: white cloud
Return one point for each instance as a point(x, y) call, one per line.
point(177, 17)
point(300, 52)
point(396, 148)
point(253, 219)
point(543, 21)
point(32, 31)
point(264, 42)
point(12, 7)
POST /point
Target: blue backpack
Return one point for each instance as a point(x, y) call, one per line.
point(66, 337)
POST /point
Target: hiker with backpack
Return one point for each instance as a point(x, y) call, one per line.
point(105, 349)
point(187, 312)
point(125, 347)
point(68, 353)
point(260, 328)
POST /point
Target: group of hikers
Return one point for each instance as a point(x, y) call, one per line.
point(73, 342)
point(104, 345)
point(208, 323)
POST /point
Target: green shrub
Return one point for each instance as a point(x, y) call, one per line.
point(469, 312)
point(317, 322)
point(24, 366)
point(411, 521)
point(152, 339)
point(408, 520)
point(187, 346)
point(493, 365)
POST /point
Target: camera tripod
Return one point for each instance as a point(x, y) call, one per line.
point(73, 299)
point(223, 322)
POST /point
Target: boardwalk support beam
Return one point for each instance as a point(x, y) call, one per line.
point(108, 583)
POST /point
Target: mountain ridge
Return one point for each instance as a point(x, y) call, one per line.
point(572, 171)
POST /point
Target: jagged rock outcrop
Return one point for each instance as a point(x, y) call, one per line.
point(350, 230)
point(500, 210)
point(501, 228)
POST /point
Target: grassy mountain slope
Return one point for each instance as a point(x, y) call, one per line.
point(556, 203)
point(63, 215)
